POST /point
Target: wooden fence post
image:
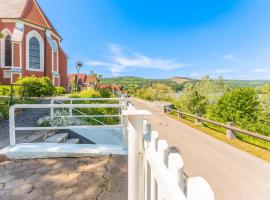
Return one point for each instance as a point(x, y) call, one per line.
point(197, 121)
point(165, 109)
point(230, 133)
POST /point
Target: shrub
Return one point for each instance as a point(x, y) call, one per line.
point(59, 91)
point(4, 90)
point(159, 92)
point(36, 86)
point(240, 106)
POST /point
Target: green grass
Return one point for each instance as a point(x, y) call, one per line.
point(251, 145)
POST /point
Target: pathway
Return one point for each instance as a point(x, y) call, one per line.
point(233, 174)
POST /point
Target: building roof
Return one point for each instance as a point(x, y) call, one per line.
point(26, 10)
point(11, 8)
point(82, 78)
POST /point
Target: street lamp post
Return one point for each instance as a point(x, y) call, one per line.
point(78, 66)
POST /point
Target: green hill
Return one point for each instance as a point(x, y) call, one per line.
point(176, 83)
point(136, 82)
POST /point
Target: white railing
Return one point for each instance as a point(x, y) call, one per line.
point(61, 100)
point(13, 128)
point(156, 172)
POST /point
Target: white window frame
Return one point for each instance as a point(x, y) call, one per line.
point(41, 46)
point(5, 32)
point(58, 79)
point(57, 61)
point(11, 79)
point(7, 71)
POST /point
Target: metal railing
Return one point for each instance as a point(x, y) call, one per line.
point(230, 128)
point(13, 128)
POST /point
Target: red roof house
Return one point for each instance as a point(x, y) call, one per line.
point(30, 44)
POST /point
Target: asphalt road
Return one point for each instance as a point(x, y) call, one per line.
point(233, 174)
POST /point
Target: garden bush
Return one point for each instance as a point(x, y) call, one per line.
point(4, 90)
point(35, 86)
point(59, 91)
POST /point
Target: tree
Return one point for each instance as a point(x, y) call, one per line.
point(97, 80)
point(1, 35)
point(240, 106)
point(191, 101)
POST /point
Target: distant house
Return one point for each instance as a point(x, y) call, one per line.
point(86, 81)
point(31, 44)
point(82, 80)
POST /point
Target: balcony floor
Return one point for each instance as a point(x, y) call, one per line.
point(100, 177)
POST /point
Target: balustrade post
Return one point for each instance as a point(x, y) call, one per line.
point(70, 109)
point(176, 167)
point(163, 155)
point(135, 153)
point(12, 134)
point(52, 109)
point(230, 133)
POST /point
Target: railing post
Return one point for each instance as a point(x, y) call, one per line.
point(198, 189)
point(146, 169)
point(165, 110)
point(230, 133)
point(52, 109)
point(179, 114)
point(135, 153)
point(12, 134)
point(70, 109)
point(197, 121)
point(176, 167)
point(153, 186)
point(162, 152)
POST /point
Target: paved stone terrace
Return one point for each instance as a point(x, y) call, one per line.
point(91, 178)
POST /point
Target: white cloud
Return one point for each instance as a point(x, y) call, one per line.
point(121, 60)
point(229, 57)
point(260, 70)
point(225, 71)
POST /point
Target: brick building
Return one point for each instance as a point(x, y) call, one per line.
point(30, 44)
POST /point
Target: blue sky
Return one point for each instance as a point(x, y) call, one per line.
point(161, 39)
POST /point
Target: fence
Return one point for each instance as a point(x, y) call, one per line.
point(156, 171)
point(230, 129)
point(13, 128)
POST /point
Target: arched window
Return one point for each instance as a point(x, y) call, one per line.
point(8, 51)
point(34, 53)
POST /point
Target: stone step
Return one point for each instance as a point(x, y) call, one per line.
point(73, 141)
point(57, 138)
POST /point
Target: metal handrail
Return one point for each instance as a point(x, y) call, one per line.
point(233, 128)
point(13, 128)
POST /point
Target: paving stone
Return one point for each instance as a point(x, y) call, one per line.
point(34, 195)
point(64, 178)
point(23, 189)
point(14, 183)
point(63, 193)
point(6, 178)
point(42, 169)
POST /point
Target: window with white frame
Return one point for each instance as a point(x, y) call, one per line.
point(7, 74)
point(8, 51)
point(34, 53)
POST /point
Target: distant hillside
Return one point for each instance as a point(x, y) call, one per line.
point(180, 80)
point(177, 83)
point(246, 83)
point(136, 82)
